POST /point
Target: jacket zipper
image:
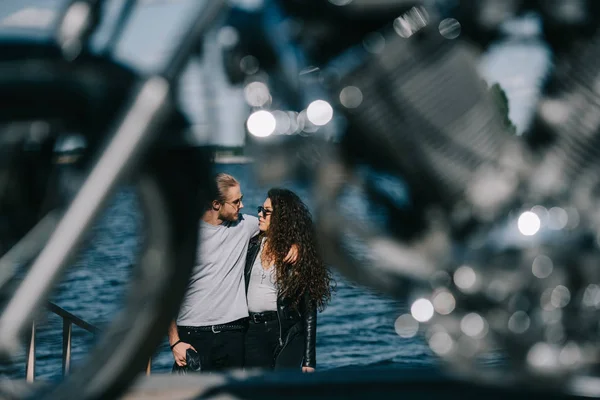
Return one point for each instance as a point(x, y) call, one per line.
point(282, 347)
point(280, 328)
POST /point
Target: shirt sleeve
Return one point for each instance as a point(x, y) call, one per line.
point(251, 225)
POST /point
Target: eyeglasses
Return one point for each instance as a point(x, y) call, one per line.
point(236, 203)
point(263, 210)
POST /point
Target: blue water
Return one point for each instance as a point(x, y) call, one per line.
point(356, 330)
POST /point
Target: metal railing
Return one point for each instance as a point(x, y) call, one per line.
point(68, 320)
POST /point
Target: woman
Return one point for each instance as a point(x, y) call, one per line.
point(283, 298)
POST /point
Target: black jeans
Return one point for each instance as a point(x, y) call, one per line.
point(218, 351)
point(262, 348)
point(262, 340)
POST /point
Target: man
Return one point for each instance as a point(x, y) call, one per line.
point(214, 315)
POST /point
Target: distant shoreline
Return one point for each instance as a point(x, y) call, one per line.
point(218, 159)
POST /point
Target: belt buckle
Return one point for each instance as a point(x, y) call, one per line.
point(256, 318)
point(212, 328)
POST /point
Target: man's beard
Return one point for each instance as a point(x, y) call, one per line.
point(232, 217)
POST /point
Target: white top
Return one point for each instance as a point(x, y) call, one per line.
point(216, 292)
point(262, 289)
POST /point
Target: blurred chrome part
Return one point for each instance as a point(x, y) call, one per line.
point(586, 385)
point(491, 260)
point(567, 13)
point(433, 89)
point(75, 26)
point(13, 134)
point(482, 19)
point(128, 333)
point(506, 253)
point(565, 23)
point(206, 16)
point(365, 4)
point(567, 117)
point(125, 14)
point(489, 14)
point(27, 248)
point(485, 257)
point(450, 28)
point(411, 21)
point(171, 196)
point(366, 8)
point(149, 106)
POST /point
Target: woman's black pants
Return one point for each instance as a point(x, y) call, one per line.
point(262, 348)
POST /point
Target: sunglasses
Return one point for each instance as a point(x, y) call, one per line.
point(236, 203)
point(263, 210)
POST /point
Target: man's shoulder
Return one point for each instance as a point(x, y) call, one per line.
point(251, 223)
point(247, 218)
point(243, 220)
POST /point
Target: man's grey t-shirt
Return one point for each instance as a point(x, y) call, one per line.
point(216, 293)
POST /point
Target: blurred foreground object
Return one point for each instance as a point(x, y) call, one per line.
point(491, 238)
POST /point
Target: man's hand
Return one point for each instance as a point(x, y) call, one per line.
point(179, 352)
point(308, 369)
point(292, 255)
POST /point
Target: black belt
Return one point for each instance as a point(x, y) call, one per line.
point(238, 325)
point(259, 317)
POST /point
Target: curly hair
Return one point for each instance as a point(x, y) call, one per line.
point(291, 223)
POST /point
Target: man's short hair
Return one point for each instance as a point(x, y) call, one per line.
point(223, 182)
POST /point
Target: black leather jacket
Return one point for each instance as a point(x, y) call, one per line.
point(291, 322)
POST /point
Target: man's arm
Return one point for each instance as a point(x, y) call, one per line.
point(180, 347)
point(251, 225)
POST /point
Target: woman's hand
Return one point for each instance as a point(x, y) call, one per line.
point(308, 369)
point(179, 353)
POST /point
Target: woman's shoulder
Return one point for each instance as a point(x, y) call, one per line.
point(255, 243)
point(252, 252)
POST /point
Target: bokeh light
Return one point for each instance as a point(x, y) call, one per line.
point(422, 310)
point(466, 279)
point(261, 123)
point(450, 28)
point(542, 266)
point(257, 94)
point(519, 322)
point(441, 343)
point(406, 326)
point(529, 223)
point(557, 218)
point(444, 302)
point(351, 97)
point(319, 112)
point(473, 325)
